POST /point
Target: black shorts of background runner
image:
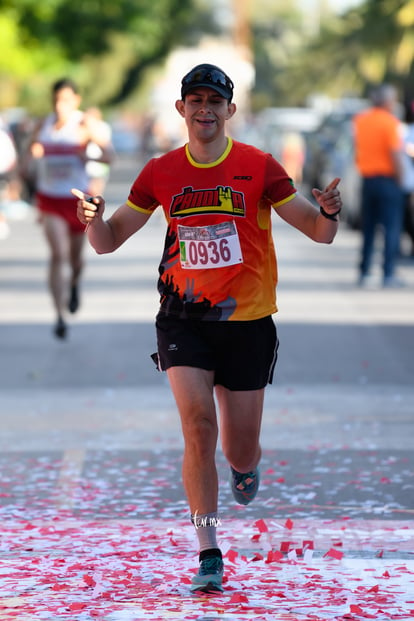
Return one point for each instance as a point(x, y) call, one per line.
point(242, 354)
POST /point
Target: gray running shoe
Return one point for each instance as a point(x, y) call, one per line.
point(209, 577)
point(244, 485)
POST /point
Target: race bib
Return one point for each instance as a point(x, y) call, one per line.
point(205, 247)
point(58, 168)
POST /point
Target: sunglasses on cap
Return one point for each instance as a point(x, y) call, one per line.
point(210, 77)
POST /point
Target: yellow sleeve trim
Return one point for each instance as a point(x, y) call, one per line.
point(136, 208)
point(284, 201)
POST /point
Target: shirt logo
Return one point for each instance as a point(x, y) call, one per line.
point(243, 177)
point(218, 200)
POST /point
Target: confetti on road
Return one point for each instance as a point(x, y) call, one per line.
point(106, 535)
point(74, 569)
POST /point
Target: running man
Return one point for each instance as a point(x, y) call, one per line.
point(217, 279)
point(59, 147)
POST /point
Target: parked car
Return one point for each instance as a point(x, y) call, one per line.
point(330, 153)
point(273, 124)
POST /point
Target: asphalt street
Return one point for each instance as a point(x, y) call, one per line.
point(90, 431)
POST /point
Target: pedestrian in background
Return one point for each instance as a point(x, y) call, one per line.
point(378, 153)
point(293, 155)
point(59, 147)
point(217, 278)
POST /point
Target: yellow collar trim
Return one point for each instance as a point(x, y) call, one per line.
point(209, 164)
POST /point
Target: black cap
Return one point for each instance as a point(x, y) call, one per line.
point(209, 76)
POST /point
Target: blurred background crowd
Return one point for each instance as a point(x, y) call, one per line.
point(302, 70)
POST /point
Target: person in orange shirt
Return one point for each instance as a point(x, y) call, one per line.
point(378, 155)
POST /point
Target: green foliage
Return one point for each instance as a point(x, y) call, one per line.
point(109, 46)
point(82, 27)
point(371, 43)
point(16, 61)
point(278, 36)
point(53, 35)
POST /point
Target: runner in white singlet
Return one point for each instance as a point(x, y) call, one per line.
point(59, 148)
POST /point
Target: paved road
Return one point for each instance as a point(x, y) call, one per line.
point(90, 432)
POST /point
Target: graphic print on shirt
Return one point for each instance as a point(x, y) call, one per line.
point(218, 200)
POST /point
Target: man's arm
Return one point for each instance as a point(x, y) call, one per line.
point(107, 235)
point(99, 132)
point(303, 215)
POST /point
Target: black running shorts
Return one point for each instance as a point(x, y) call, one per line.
point(242, 354)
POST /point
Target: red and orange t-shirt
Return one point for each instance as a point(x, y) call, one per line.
point(219, 261)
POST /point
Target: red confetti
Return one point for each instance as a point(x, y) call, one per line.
point(285, 546)
point(289, 524)
point(337, 554)
point(128, 569)
point(77, 606)
point(231, 555)
point(261, 526)
point(185, 580)
point(60, 587)
point(238, 598)
point(307, 544)
point(274, 556)
point(89, 580)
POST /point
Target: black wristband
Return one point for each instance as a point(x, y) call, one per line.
point(329, 216)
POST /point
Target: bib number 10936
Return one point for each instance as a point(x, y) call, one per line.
point(209, 247)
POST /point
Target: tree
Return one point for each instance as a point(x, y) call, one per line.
point(330, 53)
point(370, 43)
point(278, 37)
point(383, 34)
point(74, 35)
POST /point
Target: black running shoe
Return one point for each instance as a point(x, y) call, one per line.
point(60, 329)
point(73, 303)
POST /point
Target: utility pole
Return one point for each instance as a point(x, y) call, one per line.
point(242, 35)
